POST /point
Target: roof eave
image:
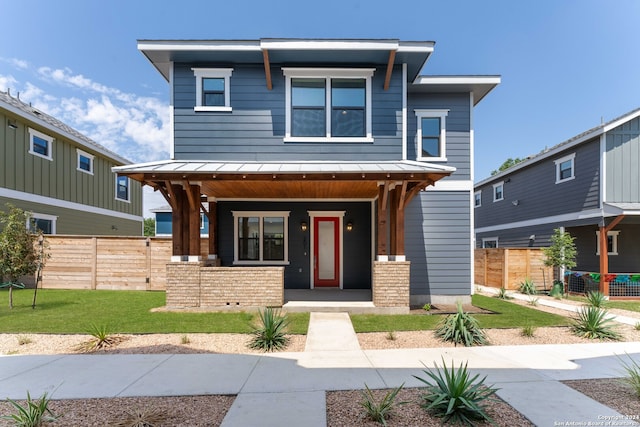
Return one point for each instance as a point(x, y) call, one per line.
point(480, 86)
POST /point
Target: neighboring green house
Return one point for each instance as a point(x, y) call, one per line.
point(63, 177)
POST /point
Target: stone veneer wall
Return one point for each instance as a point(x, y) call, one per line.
point(391, 284)
point(190, 284)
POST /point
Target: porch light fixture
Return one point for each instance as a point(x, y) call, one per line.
point(12, 124)
point(515, 202)
point(303, 226)
point(349, 226)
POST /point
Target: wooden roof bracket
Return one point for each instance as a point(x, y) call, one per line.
point(267, 68)
point(193, 203)
point(168, 194)
point(387, 77)
point(613, 223)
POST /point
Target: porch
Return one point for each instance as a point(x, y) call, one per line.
point(353, 301)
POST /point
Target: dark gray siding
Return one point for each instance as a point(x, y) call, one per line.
point(437, 242)
point(537, 193)
point(357, 243)
point(519, 237)
point(458, 141)
point(628, 258)
point(254, 130)
point(623, 158)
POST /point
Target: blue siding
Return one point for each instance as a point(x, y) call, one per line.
point(254, 130)
point(164, 224)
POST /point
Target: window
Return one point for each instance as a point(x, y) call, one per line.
point(498, 191)
point(85, 162)
point(40, 144)
point(122, 188)
point(477, 199)
point(612, 242)
point(565, 168)
point(332, 105)
point(431, 134)
point(43, 222)
point(490, 242)
point(212, 89)
point(261, 237)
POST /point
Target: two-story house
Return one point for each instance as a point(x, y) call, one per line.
point(588, 186)
point(323, 163)
point(63, 177)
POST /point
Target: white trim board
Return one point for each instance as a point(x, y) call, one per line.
point(573, 216)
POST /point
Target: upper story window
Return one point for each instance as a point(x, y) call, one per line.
point(498, 191)
point(212, 89)
point(85, 161)
point(565, 168)
point(612, 242)
point(477, 199)
point(431, 134)
point(261, 237)
point(122, 188)
point(40, 144)
point(328, 105)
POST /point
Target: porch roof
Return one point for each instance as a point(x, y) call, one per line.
point(311, 179)
point(628, 208)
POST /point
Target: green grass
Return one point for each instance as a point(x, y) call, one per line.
point(622, 305)
point(508, 315)
point(72, 312)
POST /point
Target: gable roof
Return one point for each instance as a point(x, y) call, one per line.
point(32, 114)
point(569, 143)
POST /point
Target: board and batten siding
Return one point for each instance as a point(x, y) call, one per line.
point(537, 194)
point(458, 125)
point(255, 129)
point(437, 233)
point(622, 163)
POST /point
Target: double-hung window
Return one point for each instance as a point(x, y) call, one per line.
point(477, 199)
point(328, 105)
point(212, 89)
point(85, 161)
point(431, 134)
point(498, 191)
point(261, 237)
point(122, 188)
point(40, 144)
point(565, 168)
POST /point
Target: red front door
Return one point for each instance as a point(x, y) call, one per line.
point(326, 250)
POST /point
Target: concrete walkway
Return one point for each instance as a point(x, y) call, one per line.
point(289, 388)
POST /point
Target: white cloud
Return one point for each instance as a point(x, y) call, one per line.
point(7, 82)
point(16, 63)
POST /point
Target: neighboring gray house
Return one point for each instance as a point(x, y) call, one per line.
point(324, 163)
point(588, 185)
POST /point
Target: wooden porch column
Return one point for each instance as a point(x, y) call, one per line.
point(401, 195)
point(184, 230)
point(604, 253)
point(176, 220)
point(393, 221)
point(383, 192)
point(193, 196)
point(213, 229)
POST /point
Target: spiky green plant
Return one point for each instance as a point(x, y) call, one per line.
point(461, 328)
point(33, 413)
point(270, 334)
point(391, 336)
point(533, 301)
point(102, 338)
point(381, 410)
point(527, 287)
point(528, 331)
point(596, 299)
point(503, 294)
point(632, 377)
point(456, 396)
point(637, 326)
point(146, 417)
point(426, 307)
point(592, 322)
point(185, 339)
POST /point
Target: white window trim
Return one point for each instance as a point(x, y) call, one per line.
point(498, 184)
point(52, 218)
point(328, 74)
point(489, 239)
point(261, 215)
point(128, 199)
point(49, 139)
point(478, 193)
point(214, 73)
point(614, 242)
point(442, 115)
point(89, 156)
point(558, 162)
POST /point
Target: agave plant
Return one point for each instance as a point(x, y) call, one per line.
point(456, 396)
point(527, 287)
point(102, 337)
point(596, 299)
point(592, 322)
point(503, 294)
point(461, 328)
point(34, 412)
point(632, 377)
point(270, 334)
point(380, 411)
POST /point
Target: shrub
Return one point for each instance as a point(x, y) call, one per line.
point(528, 331)
point(185, 339)
point(557, 290)
point(380, 411)
point(102, 338)
point(391, 336)
point(503, 294)
point(534, 301)
point(24, 340)
point(637, 326)
point(596, 299)
point(426, 307)
point(270, 334)
point(527, 287)
point(632, 377)
point(142, 418)
point(461, 328)
point(33, 413)
point(592, 322)
point(455, 396)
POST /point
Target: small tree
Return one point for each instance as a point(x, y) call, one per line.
point(562, 252)
point(19, 255)
point(149, 227)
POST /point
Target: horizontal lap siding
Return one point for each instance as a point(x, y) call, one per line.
point(437, 232)
point(623, 158)
point(255, 129)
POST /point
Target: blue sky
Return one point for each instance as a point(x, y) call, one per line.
point(565, 64)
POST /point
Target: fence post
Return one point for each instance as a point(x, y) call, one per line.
point(94, 264)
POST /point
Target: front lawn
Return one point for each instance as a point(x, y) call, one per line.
point(73, 312)
point(630, 305)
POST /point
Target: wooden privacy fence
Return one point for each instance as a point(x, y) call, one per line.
point(508, 267)
point(105, 262)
